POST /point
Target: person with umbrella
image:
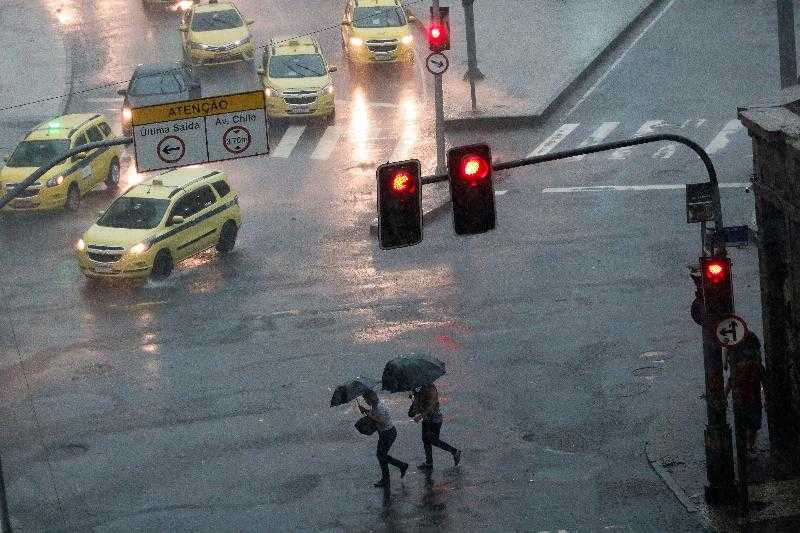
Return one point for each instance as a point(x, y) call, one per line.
point(425, 408)
point(387, 434)
point(417, 374)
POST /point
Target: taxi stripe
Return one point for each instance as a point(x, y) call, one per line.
point(194, 222)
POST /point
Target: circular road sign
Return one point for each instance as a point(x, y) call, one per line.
point(171, 149)
point(730, 331)
point(437, 63)
point(236, 139)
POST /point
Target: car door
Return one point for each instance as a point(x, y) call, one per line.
point(207, 218)
point(184, 235)
point(81, 166)
point(102, 157)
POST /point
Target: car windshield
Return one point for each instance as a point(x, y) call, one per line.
point(164, 83)
point(134, 213)
point(216, 20)
point(37, 153)
point(296, 66)
point(378, 17)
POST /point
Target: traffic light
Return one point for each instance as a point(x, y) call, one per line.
point(469, 169)
point(439, 30)
point(399, 204)
point(717, 286)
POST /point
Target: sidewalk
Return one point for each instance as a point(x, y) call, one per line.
point(27, 32)
point(530, 52)
point(675, 449)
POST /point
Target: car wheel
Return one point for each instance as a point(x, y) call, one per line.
point(162, 265)
point(227, 237)
point(73, 201)
point(112, 180)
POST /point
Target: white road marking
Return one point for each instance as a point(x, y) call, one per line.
point(646, 128)
point(666, 151)
point(327, 143)
point(597, 136)
point(654, 187)
point(723, 137)
point(110, 100)
point(594, 87)
point(559, 135)
point(500, 193)
point(288, 141)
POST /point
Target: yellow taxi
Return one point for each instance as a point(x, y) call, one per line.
point(216, 33)
point(66, 183)
point(160, 222)
point(377, 31)
point(297, 79)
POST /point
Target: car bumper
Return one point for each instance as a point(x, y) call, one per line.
point(363, 55)
point(277, 107)
point(46, 200)
point(209, 57)
point(126, 267)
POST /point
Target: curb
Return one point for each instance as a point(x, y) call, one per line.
point(506, 120)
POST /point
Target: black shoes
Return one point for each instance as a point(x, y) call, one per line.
point(403, 470)
point(382, 483)
point(425, 466)
point(456, 457)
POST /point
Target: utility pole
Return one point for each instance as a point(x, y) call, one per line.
point(438, 97)
point(5, 521)
point(786, 43)
point(472, 74)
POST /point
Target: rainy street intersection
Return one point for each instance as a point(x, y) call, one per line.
point(201, 402)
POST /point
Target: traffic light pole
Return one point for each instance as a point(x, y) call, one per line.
point(438, 99)
point(472, 73)
point(718, 449)
point(5, 521)
point(44, 169)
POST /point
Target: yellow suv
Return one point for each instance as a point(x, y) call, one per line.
point(377, 31)
point(159, 222)
point(66, 183)
point(216, 33)
point(297, 79)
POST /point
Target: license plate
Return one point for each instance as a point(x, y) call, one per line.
point(102, 269)
point(300, 109)
point(23, 204)
point(383, 57)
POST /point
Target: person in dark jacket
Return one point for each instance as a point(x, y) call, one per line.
point(387, 433)
point(745, 381)
point(425, 408)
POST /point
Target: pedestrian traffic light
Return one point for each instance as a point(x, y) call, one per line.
point(717, 286)
point(469, 169)
point(399, 204)
point(439, 30)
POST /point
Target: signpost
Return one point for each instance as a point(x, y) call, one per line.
point(200, 131)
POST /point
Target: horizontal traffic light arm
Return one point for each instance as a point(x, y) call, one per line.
point(645, 139)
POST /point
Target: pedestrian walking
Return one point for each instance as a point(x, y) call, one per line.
point(387, 434)
point(745, 382)
point(425, 408)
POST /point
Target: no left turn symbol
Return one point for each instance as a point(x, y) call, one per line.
point(236, 139)
point(730, 331)
point(171, 149)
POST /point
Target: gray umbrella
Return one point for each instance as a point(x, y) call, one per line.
point(352, 390)
point(408, 373)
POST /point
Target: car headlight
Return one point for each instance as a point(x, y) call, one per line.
point(140, 248)
point(270, 92)
point(356, 41)
point(407, 39)
point(328, 89)
point(127, 114)
point(80, 245)
point(242, 41)
point(184, 5)
point(198, 46)
point(55, 181)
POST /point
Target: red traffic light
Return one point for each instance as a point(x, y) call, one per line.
point(437, 34)
point(474, 168)
point(715, 271)
point(402, 182)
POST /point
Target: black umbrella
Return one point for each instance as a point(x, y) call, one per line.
point(350, 391)
point(408, 373)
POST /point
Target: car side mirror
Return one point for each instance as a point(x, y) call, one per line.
point(249, 22)
point(177, 219)
point(411, 18)
point(184, 27)
point(122, 92)
point(261, 71)
point(79, 156)
point(332, 68)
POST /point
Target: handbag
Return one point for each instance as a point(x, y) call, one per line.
point(366, 426)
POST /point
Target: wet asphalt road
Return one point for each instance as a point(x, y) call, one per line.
point(201, 403)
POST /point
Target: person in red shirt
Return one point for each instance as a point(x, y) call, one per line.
point(745, 381)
